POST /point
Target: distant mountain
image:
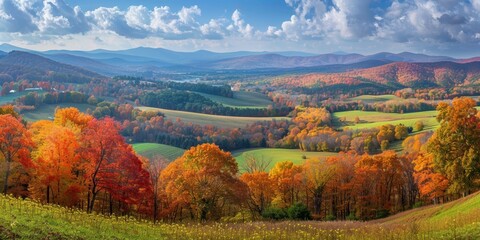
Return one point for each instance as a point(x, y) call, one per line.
point(23, 65)
point(279, 61)
point(469, 60)
point(2, 54)
point(89, 64)
point(5, 47)
point(397, 74)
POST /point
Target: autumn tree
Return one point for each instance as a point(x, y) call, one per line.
point(432, 185)
point(56, 158)
point(205, 178)
point(455, 144)
point(317, 174)
point(155, 166)
point(110, 165)
point(260, 190)
point(288, 182)
point(15, 145)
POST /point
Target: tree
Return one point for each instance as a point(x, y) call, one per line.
point(317, 174)
point(454, 145)
point(155, 166)
point(110, 165)
point(56, 161)
point(288, 182)
point(431, 184)
point(15, 145)
point(260, 190)
point(205, 178)
point(256, 164)
point(401, 132)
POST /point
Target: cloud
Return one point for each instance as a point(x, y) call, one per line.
point(239, 25)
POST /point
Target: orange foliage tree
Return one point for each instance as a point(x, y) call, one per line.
point(203, 179)
point(15, 145)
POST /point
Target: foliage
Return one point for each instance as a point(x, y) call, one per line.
point(298, 211)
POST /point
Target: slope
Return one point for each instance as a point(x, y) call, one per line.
point(25, 219)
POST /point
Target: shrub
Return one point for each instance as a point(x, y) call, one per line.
point(330, 217)
point(299, 211)
point(274, 213)
point(418, 126)
point(383, 213)
point(352, 217)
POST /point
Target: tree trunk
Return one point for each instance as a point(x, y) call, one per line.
point(7, 174)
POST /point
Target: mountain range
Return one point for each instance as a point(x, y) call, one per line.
point(139, 60)
point(405, 69)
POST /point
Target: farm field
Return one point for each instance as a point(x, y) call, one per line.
point(150, 150)
point(207, 119)
point(9, 98)
point(277, 155)
point(375, 119)
point(376, 98)
point(25, 219)
point(46, 111)
point(241, 100)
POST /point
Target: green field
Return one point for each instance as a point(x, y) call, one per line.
point(277, 155)
point(150, 150)
point(375, 119)
point(25, 219)
point(207, 119)
point(241, 100)
point(47, 111)
point(10, 98)
point(375, 98)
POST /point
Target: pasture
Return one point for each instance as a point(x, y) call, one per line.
point(151, 150)
point(375, 98)
point(207, 119)
point(275, 155)
point(47, 111)
point(376, 119)
point(241, 100)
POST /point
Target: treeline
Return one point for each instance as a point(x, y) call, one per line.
point(391, 106)
point(193, 102)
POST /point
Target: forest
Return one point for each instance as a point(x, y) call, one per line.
point(81, 161)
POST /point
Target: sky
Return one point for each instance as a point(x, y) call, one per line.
point(440, 27)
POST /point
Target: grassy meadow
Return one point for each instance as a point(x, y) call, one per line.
point(207, 119)
point(241, 100)
point(376, 119)
point(47, 111)
point(26, 219)
point(277, 155)
point(375, 98)
point(150, 150)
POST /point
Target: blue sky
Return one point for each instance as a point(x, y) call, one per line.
point(440, 27)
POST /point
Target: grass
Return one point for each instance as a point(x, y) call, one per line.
point(241, 100)
point(375, 98)
point(10, 98)
point(376, 119)
point(277, 155)
point(47, 111)
point(26, 219)
point(207, 119)
point(150, 150)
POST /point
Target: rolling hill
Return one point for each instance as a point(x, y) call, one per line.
point(399, 74)
point(23, 65)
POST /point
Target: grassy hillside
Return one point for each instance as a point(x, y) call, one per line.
point(46, 111)
point(206, 119)
point(150, 150)
point(24, 219)
point(277, 155)
point(241, 100)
